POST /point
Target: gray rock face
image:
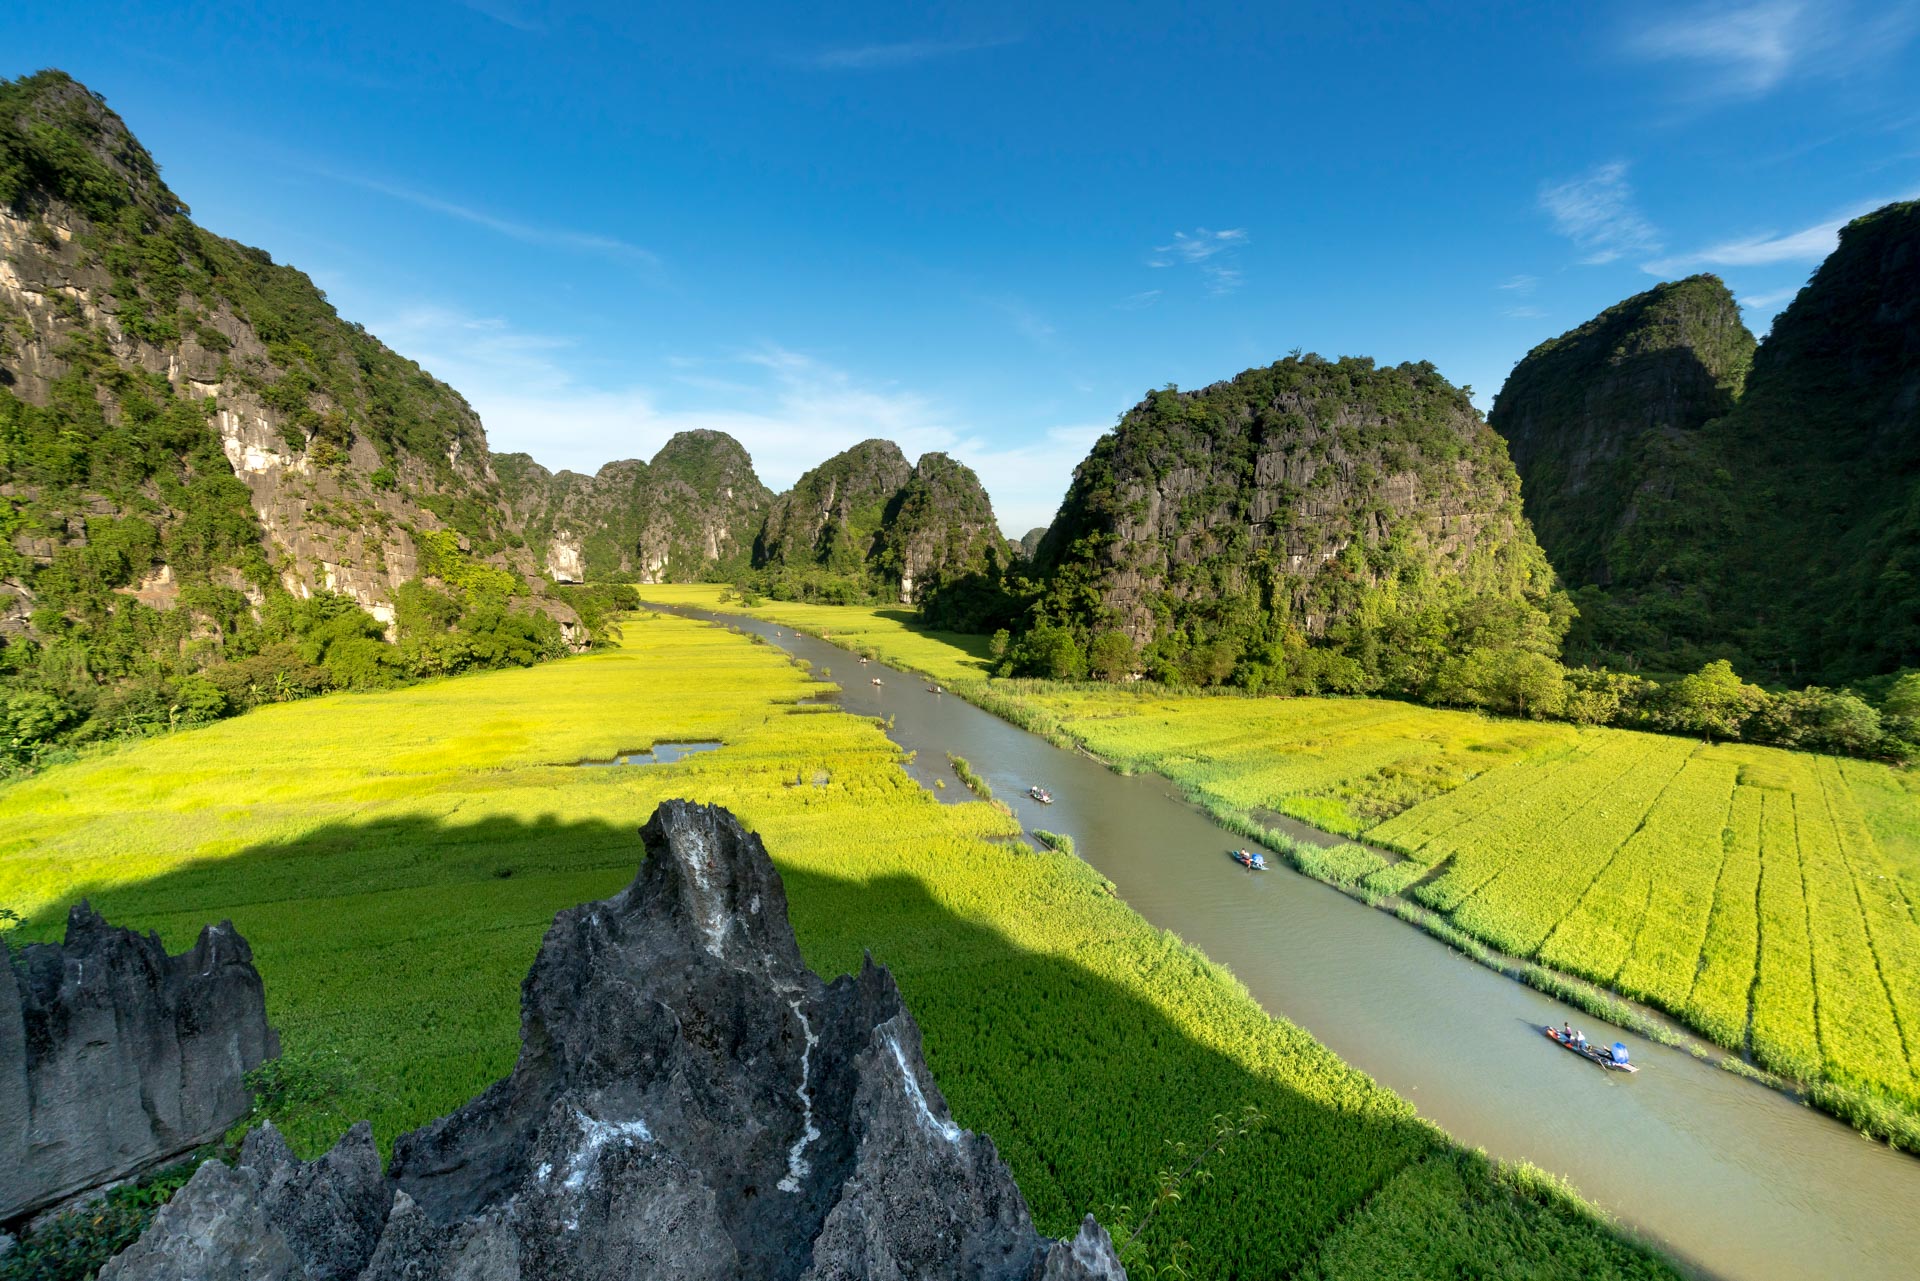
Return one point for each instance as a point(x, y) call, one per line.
point(115, 1056)
point(690, 1102)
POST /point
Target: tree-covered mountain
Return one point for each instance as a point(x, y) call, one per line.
point(1785, 532)
point(205, 470)
point(1311, 523)
point(691, 513)
point(1593, 418)
point(867, 526)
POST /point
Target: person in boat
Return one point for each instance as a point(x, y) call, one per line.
point(1580, 1039)
point(1566, 1031)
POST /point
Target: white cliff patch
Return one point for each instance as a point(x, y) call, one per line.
point(945, 1129)
point(595, 1137)
point(797, 1165)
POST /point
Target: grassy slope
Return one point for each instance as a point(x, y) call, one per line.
point(1663, 881)
point(394, 858)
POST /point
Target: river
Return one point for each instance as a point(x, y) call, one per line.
point(1734, 1180)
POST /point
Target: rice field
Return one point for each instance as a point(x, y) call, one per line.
point(395, 857)
point(1764, 898)
point(1744, 890)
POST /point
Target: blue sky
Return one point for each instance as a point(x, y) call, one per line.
point(990, 228)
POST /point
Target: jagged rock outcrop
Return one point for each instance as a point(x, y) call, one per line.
point(200, 408)
point(1030, 541)
point(1592, 417)
point(691, 512)
point(1303, 495)
point(939, 527)
point(115, 1056)
point(1786, 531)
point(690, 1102)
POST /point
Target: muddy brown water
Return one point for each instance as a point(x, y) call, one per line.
point(1733, 1179)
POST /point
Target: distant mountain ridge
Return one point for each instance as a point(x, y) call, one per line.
point(692, 511)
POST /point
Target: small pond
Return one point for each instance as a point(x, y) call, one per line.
point(659, 754)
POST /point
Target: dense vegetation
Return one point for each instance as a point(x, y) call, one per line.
point(1764, 898)
point(138, 589)
point(1312, 524)
point(1592, 417)
point(1781, 534)
point(394, 888)
point(864, 528)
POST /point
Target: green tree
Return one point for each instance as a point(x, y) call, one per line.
point(1112, 656)
point(1713, 701)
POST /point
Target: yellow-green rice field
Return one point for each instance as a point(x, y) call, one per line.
point(1765, 898)
point(394, 859)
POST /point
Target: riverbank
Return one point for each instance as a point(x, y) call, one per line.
point(1234, 757)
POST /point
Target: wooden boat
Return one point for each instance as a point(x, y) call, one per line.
point(1613, 1058)
point(878, 681)
point(1040, 794)
point(1252, 860)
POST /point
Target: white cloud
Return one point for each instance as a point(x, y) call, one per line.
point(1522, 285)
point(1597, 213)
point(790, 410)
point(504, 11)
point(1523, 313)
point(550, 237)
point(1198, 249)
point(1809, 244)
point(1772, 298)
point(1753, 48)
point(905, 53)
point(1134, 302)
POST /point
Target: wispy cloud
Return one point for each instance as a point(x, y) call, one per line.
point(905, 53)
point(504, 11)
point(1764, 249)
point(549, 237)
point(1523, 313)
point(789, 409)
point(1200, 248)
point(1596, 211)
point(1135, 302)
point(1751, 48)
point(1522, 285)
point(1772, 298)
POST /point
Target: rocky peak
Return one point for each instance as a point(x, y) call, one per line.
point(940, 526)
point(320, 457)
point(690, 1102)
point(1298, 493)
point(115, 1056)
point(1589, 415)
point(832, 516)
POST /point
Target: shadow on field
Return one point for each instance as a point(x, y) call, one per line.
point(393, 953)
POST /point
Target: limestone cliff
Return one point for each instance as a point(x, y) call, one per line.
point(832, 517)
point(939, 527)
point(115, 1056)
point(690, 513)
point(1591, 416)
point(690, 1102)
point(1309, 495)
point(1783, 532)
point(195, 413)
